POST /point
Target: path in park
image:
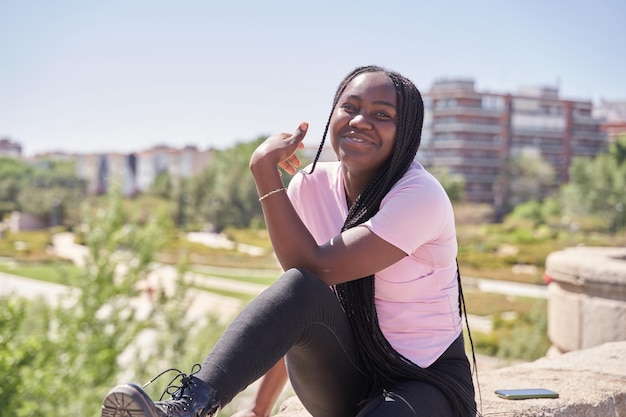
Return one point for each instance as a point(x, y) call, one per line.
point(165, 276)
point(32, 288)
point(207, 302)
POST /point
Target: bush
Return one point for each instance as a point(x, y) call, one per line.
point(79, 341)
point(524, 338)
point(17, 350)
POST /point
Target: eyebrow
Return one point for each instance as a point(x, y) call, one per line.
point(379, 102)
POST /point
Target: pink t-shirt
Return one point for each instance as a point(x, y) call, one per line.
point(417, 297)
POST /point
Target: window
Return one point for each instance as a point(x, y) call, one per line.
point(493, 102)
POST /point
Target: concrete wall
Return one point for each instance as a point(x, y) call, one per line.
point(587, 297)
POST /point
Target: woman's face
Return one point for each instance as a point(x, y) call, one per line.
point(363, 124)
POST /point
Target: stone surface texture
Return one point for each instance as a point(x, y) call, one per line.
point(586, 297)
point(590, 383)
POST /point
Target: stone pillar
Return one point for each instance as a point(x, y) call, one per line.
point(586, 297)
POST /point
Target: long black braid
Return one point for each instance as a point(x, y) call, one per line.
point(381, 362)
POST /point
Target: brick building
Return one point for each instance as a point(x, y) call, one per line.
point(473, 133)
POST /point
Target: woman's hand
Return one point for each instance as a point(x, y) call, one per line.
point(280, 150)
point(248, 413)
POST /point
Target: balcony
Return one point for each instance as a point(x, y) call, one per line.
point(463, 162)
point(586, 120)
point(538, 132)
point(579, 150)
point(475, 111)
point(480, 178)
point(586, 135)
point(438, 143)
point(466, 127)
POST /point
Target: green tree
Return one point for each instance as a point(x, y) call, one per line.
point(14, 176)
point(617, 150)
point(53, 197)
point(183, 211)
point(596, 187)
point(532, 177)
point(162, 186)
point(452, 183)
point(226, 193)
point(524, 176)
point(82, 338)
point(49, 190)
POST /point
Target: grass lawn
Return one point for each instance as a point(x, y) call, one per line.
point(489, 304)
point(478, 303)
point(55, 272)
point(246, 298)
point(263, 277)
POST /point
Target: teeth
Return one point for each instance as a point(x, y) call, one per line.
point(355, 140)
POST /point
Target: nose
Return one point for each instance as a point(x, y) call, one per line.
point(359, 121)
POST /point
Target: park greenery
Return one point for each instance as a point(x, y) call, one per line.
point(60, 358)
point(224, 195)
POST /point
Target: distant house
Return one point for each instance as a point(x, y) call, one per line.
point(178, 163)
point(136, 172)
point(89, 167)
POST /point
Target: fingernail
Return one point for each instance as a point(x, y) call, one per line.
point(304, 125)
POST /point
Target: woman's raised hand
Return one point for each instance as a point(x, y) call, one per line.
point(280, 150)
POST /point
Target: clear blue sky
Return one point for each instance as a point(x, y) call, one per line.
point(98, 76)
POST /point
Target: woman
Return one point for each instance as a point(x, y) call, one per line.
point(367, 315)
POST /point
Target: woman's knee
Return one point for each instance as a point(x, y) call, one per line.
point(301, 290)
point(302, 281)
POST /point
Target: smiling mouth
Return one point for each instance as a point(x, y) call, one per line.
point(355, 140)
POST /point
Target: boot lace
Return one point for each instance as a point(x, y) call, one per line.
point(177, 385)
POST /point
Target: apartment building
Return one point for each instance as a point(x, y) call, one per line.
point(178, 163)
point(473, 133)
point(613, 116)
point(136, 172)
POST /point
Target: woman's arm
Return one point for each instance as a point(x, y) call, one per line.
point(269, 390)
point(346, 257)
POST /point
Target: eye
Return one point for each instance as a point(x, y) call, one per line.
point(382, 115)
point(349, 107)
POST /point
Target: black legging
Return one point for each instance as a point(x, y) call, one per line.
point(299, 316)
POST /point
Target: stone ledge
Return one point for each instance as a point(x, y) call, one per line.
point(591, 383)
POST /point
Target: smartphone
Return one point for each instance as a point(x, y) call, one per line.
point(524, 394)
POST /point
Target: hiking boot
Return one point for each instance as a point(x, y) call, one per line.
point(192, 398)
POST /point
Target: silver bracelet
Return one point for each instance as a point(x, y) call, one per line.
point(278, 190)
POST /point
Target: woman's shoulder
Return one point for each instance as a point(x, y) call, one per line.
point(417, 174)
point(417, 186)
